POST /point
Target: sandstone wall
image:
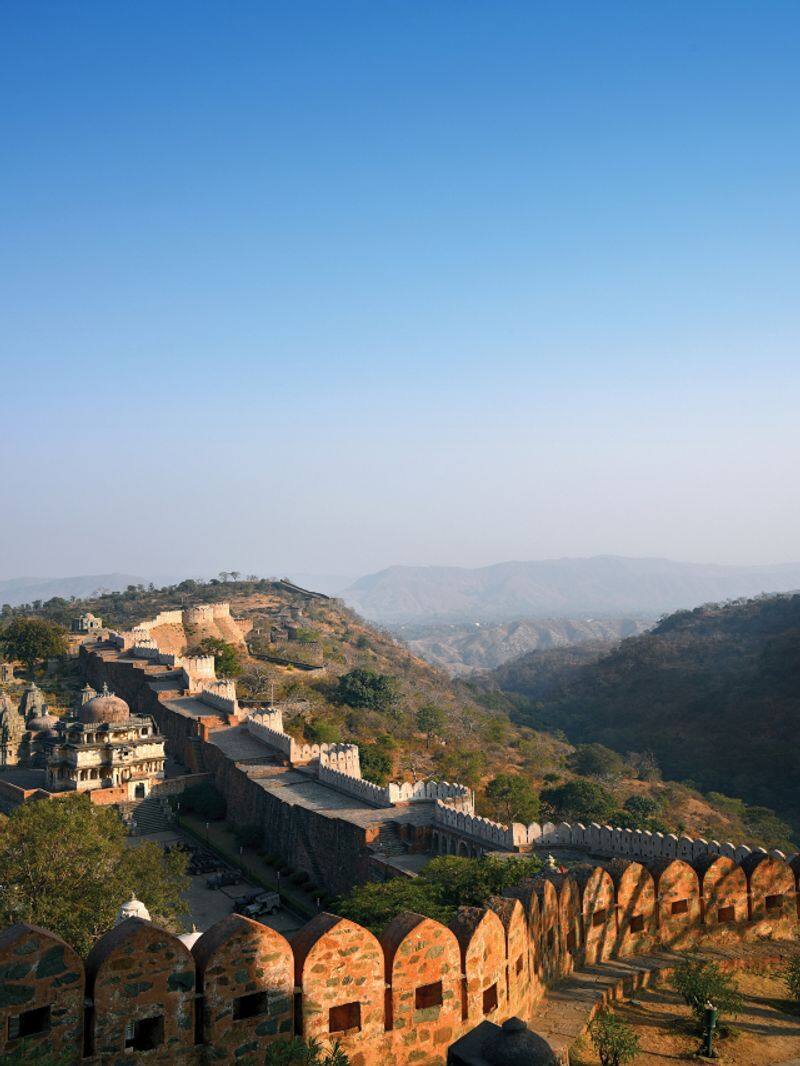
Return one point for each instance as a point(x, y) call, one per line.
point(402, 999)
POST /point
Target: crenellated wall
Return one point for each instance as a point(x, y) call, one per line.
point(402, 998)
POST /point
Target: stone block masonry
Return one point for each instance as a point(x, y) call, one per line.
point(403, 998)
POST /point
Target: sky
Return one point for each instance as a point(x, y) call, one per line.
point(325, 287)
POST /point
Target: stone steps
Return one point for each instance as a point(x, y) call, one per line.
point(151, 815)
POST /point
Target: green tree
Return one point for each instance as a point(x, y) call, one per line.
point(512, 799)
point(595, 760)
point(580, 800)
point(66, 865)
point(444, 885)
point(227, 661)
point(32, 639)
point(376, 762)
point(366, 688)
point(430, 721)
point(699, 981)
point(614, 1040)
point(322, 732)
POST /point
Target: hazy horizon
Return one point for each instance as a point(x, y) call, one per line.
point(296, 289)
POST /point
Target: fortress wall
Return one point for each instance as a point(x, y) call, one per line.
point(220, 695)
point(263, 728)
point(245, 973)
point(142, 984)
point(635, 907)
point(41, 993)
point(331, 850)
point(403, 999)
point(423, 971)
point(366, 791)
point(678, 907)
point(598, 913)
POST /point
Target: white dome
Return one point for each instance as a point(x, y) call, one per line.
point(134, 908)
point(190, 939)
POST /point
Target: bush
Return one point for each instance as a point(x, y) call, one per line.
point(614, 1040)
point(580, 800)
point(792, 978)
point(365, 688)
point(596, 760)
point(205, 801)
point(699, 981)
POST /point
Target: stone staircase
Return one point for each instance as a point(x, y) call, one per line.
point(389, 841)
point(151, 815)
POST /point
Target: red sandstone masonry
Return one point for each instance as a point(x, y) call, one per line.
point(635, 907)
point(339, 968)
point(678, 902)
point(598, 912)
point(245, 973)
point(142, 982)
point(481, 938)
point(423, 999)
point(41, 992)
point(403, 1000)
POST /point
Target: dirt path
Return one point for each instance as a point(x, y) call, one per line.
point(767, 1033)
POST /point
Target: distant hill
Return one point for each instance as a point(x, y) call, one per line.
point(603, 586)
point(462, 648)
point(27, 589)
point(714, 693)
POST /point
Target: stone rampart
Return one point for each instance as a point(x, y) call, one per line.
point(404, 998)
point(220, 695)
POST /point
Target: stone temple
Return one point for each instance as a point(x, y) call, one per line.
point(102, 746)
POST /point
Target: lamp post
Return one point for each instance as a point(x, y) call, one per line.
point(711, 1016)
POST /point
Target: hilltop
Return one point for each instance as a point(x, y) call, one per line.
point(604, 586)
point(474, 734)
point(714, 693)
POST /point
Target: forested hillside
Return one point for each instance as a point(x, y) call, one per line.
point(714, 693)
point(410, 720)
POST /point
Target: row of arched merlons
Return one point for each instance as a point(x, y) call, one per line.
point(403, 997)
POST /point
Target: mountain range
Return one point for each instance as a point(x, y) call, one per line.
point(19, 590)
point(603, 586)
point(714, 693)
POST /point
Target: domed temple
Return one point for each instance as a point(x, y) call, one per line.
point(106, 746)
point(102, 745)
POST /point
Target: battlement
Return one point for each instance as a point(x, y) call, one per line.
point(404, 997)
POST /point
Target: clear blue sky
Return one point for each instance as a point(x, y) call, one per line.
point(331, 286)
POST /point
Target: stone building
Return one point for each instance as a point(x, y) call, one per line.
point(106, 746)
point(12, 733)
point(87, 623)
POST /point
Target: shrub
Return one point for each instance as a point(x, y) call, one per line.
point(792, 978)
point(699, 981)
point(614, 1040)
point(365, 688)
point(595, 760)
point(580, 800)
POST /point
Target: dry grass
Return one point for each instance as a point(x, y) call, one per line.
point(767, 1032)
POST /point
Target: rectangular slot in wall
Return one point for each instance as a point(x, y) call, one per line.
point(428, 996)
point(344, 1017)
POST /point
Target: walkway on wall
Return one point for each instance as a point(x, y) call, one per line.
point(570, 1005)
